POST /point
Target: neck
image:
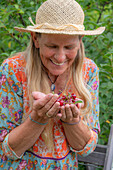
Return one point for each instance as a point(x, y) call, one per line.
point(61, 81)
point(53, 77)
point(58, 82)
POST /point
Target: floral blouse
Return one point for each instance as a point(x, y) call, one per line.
point(14, 105)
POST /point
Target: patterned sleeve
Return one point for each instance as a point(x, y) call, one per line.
point(93, 86)
point(11, 107)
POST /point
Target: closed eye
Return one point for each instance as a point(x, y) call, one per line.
point(51, 46)
point(70, 47)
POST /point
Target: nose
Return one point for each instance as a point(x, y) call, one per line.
point(60, 55)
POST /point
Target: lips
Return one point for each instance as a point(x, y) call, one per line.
point(58, 64)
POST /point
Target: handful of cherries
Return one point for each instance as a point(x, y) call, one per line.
point(69, 98)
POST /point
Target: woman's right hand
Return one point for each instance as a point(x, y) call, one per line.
point(44, 106)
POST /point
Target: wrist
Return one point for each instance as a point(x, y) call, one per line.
point(72, 122)
point(39, 120)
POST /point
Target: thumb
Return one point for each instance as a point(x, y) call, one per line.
point(80, 105)
point(37, 95)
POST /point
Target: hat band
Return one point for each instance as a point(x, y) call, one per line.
point(71, 27)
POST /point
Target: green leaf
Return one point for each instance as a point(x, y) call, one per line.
point(78, 101)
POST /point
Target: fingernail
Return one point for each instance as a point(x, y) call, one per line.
point(50, 95)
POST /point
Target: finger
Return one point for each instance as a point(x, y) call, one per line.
point(56, 109)
point(37, 95)
point(59, 115)
point(49, 106)
point(53, 111)
point(40, 103)
point(62, 109)
point(68, 111)
point(75, 111)
point(81, 105)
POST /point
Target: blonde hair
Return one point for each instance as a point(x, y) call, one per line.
point(38, 81)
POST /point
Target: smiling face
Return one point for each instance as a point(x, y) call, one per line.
point(57, 52)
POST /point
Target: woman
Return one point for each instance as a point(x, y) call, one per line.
point(36, 131)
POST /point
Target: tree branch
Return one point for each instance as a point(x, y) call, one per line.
point(23, 23)
point(100, 15)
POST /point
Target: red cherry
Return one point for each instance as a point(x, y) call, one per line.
point(61, 102)
point(77, 105)
point(73, 96)
point(70, 101)
point(67, 99)
point(64, 97)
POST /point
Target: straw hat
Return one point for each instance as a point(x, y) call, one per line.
point(60, 17)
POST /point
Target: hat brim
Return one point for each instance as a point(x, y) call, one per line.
point(97, 31)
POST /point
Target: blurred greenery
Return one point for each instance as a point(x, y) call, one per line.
point(99, 48)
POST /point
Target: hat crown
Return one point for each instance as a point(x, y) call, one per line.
point(60, 12)
point(60, 17)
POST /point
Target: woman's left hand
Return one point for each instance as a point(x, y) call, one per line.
point(70, 112)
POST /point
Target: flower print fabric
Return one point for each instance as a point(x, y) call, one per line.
point(14, 106)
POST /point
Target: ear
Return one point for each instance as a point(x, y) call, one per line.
point(35, 39)
point(80, 40)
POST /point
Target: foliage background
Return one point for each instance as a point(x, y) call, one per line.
point(99, 48)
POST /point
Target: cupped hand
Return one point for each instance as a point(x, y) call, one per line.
point(45, 105)
point(71, 112)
